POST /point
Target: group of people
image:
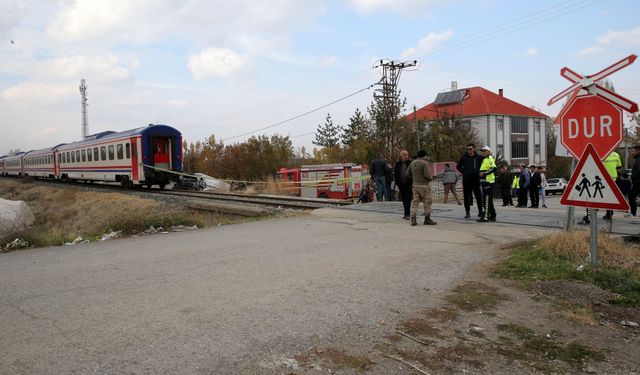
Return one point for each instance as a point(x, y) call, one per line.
point(530, 182)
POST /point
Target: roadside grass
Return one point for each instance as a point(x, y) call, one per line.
point(472, 296)
point(336, 357)
point(576, 312)
point(530, 346)
point(65, 213)
point(558, 256)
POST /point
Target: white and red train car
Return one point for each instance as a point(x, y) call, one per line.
point(13, 165)
point(150, 155)
point(334, 181)
point(2, 164)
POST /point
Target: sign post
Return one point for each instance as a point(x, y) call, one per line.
point(591, 128)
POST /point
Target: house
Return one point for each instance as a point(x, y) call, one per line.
point(514, 131)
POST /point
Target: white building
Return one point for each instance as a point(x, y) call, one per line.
point(514, 132)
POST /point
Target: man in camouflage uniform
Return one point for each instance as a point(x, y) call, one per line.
point(418, 171)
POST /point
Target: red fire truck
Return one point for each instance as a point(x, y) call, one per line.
point(334, 181)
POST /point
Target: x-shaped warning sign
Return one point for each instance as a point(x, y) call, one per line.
point(589, 84)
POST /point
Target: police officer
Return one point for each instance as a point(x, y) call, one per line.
point(487, 180)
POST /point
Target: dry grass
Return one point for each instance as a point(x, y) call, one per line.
point(336, 357)
point(64, 213)
point(611, 251)
point(274, 187)
point(472, 296)
point(576, 313)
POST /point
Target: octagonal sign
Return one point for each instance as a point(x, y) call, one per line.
point(591, 120)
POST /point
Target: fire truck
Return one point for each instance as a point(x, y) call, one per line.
point(329, 181)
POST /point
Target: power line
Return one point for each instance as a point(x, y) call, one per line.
point(300, 115)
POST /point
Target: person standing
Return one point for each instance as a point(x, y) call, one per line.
point(534, 186)
point(419, 172)
point(403, 182)
point(635, 182)
point(469, 166)
point(449, 180)
point(543, 186)
point(487, 179)
point(378, 171)
point(504, 181)
point(523, 183)
point(612, 163)
point(515, 187)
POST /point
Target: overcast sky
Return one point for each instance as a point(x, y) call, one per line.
point(232, 67)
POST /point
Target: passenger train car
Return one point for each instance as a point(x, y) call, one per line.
point(150, 155)
point(2, 164)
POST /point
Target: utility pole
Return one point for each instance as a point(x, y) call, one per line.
point(415, 122)
point(387, 91)
point(85, 120)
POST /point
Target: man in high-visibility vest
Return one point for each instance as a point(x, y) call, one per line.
point(515, 187)
point(611, 163)
point(487, 180)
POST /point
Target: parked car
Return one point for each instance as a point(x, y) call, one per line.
point(555, 185)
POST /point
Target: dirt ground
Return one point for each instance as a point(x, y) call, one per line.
point(492, 326)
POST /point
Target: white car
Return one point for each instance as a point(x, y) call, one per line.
point(555, 185)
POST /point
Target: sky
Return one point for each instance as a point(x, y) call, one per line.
point(246, 67)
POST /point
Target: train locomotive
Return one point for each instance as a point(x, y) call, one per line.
point(150, 155)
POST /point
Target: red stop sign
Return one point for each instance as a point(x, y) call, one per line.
point(591, 120)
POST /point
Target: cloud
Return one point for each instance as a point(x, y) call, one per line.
point(176, 103)
point(31, 92)
point(328, 60)
point(403, 6)
point(97, 68)
point(611, 39)
point(625, 38)
point(215, 62)
point(427, 44)
point(532, 51)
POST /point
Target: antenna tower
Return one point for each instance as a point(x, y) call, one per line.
point(387, 93)
point(85, 120)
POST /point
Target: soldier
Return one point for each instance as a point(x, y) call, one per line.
point(418, 171)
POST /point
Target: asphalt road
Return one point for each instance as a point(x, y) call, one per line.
point(239, 299)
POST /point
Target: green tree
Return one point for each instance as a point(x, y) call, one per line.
point(557, 166)
point(446, 137)
point(327, 134)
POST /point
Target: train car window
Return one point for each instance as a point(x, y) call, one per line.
point(73, 157)
point(127, 150)
point(84, 155)
point(89, 154)
point(78, 156)
point(68, 157)
point(120, 151)
point(111, 153)
point(64, 159)
point(96, 157)
point(103, 153)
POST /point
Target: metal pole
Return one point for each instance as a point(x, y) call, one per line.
point(415, 121)
point(570, 210)
point(626, 147)
point(594, 238)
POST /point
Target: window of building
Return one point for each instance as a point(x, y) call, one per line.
point(96, 156)
point(103, 153)
point(128, 150)
point(119, 152)
point(111, 153)
point(519, 149)
point(500, 123)
point(536, 125)
point(84, 155)
point(89, 155)
point(536, 149)
point(519, 125)
point(500, 150)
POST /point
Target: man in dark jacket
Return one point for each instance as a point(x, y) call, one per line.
point(403, 182)
point(534, 186)
point(635, 181)
point(505, 180)
point(525, 178)
point(378, 170)
point(469, 166)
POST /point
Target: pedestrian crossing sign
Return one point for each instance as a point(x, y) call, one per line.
point(591, 185)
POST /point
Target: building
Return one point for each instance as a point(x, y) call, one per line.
point(514, 132)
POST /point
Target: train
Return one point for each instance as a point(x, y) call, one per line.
point(145, 156)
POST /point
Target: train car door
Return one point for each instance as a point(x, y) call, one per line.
point(162, 153)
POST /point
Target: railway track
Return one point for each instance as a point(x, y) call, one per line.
point(228, 198)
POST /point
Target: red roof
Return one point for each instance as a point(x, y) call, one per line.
point(477, 101)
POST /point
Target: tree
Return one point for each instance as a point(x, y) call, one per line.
point(383, 112)
point(446, 137)
point(327, 135)
point(557, 166)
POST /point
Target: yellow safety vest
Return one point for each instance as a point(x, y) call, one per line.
point(487, 164)
point(516, 182)
point(612, 163)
